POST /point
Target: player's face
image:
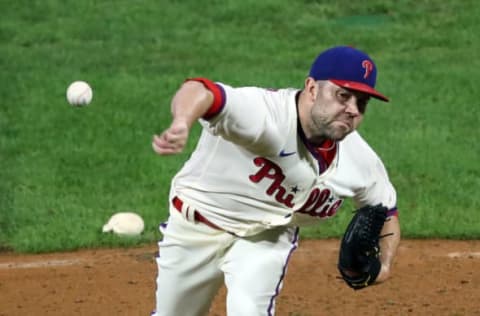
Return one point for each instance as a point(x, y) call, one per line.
point(336, 112)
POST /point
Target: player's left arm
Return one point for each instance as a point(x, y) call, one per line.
point(388, 247)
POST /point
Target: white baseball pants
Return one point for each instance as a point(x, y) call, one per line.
point(194, 259)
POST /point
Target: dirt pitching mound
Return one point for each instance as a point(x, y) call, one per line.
point(431, 277)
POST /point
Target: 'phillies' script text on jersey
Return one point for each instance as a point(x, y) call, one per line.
point(319, 202)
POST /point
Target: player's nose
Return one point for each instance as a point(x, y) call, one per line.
point(352, 106)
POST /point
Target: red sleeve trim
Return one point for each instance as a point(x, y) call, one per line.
point(218, 97)
point(393, 212)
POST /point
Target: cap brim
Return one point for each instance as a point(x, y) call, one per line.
point(358, 86)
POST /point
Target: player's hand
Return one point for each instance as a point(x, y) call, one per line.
point(172, 140)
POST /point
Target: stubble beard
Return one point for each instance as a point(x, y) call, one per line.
point(338, 132)
point(324, 130)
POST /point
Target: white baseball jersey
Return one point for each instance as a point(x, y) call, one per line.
point(252, 169)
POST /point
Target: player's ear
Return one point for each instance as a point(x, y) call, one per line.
point(311, 89)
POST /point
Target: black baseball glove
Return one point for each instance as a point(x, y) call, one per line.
point(359, 262)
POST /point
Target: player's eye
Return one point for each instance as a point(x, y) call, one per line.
point(343, 95)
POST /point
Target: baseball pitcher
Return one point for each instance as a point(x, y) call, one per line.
point(267, 163)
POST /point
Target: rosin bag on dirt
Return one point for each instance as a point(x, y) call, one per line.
point(125, 223)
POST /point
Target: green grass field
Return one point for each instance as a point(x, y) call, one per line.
point(65, 170)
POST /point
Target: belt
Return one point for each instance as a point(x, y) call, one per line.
point(178, 204)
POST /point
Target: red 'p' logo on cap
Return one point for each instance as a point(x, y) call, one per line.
point(368, 66)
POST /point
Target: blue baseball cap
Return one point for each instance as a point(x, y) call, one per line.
point(349, 68)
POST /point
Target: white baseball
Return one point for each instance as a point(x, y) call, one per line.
point(79, 93)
